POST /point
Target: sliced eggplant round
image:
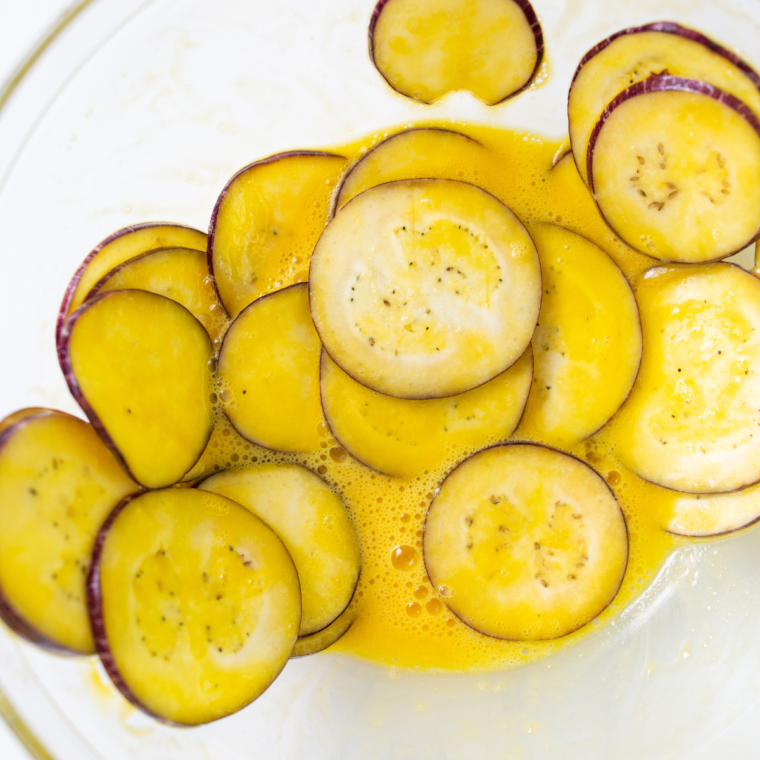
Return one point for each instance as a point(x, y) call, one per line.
point(177, 273)
point(269, 370)
point(425, 288)
point(673, 165)
point(138, 365)
point(58, 483)
point(21, 414)
point(633, 55)
point(123, 245)
point(266, 222)
point(194, 603)
point(523, 542)
point(418, 153)
point(692, 421)
point(314, 525)
point(223, 443)
point(587, 345)
point(492, 48)
point(706, 515)
point(401, 437)
point(321, 640)
point(700, 515)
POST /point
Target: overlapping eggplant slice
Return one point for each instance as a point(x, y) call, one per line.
point(194, 602)
point(139, 366)
point(21, 414)
point(587, 345)
point(692, 421)
point(425, 288)
point(324, 639)
point(673, 165)
point(269, 370)
point(121, 246)
point(417, 153)
point(314, 525)
point(402, 437)
point(523, 542)
point(177, 273)
point(58, 483)
point(633, 55)
point(696, 515)
point(266, 222)
point(491, 48)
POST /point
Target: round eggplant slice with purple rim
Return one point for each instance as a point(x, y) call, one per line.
point(177, 273)
point(425, 288)
point(673, 166)
point(418, 153)
point(194, 603)
point(269, 370)
point(313, 523)
point(121, 246)
point(58, 483)
point(266, 222)
point(691, 421)
point(587, 345)
point(321, 640)
point(633, 55)
point(139, 366)
point(523, 542)
point(492, 48)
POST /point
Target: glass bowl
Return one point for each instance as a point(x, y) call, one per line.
point(140, 110)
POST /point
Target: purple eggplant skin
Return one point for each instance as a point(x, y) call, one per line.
point(8, 612)
point(469, 623)
point(64, 360)
point(63, 311)
point(667, 83)
point(221, 350)
point(324, 356)
point(668, 27)
point(217, 206)
point(530, 16)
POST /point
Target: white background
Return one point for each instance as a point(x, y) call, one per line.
point(22, 24)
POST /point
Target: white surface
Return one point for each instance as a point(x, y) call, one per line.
point(129, 137)
point(22, 24)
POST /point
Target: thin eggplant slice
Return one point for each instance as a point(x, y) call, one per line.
point(523, 542)
point(266, 222)
point(587, 345)
point(691, 421)
point(177, 273)
point(321, 640)
point(402, 437)
point(492, 48)
point(425, 288)
point(673, 165)
point(314, 525)
point(418, 153)
point(123, 245)
point(139, 366)
point(58, 483)
point(194, 603)
point(22, 414)
point(269, 372)
point(635, 54)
